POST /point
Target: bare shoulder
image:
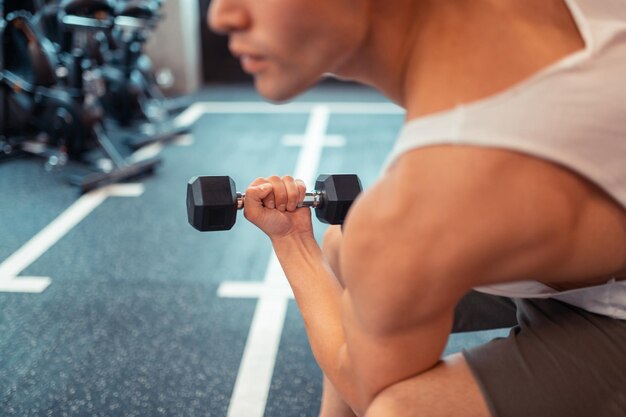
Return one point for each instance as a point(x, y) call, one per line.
point(518, 215)
point(469, 182)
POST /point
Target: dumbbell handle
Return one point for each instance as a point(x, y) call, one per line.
point(312, 199)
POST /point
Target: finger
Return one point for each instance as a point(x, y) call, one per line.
point(280, 192)
point(301, 190)
point(257, 193)
point(258, 181)
point(293, 194)
point(268, 198)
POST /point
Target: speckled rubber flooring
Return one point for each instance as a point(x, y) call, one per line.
point(132, 323)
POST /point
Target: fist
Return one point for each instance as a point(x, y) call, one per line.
point(273, 204)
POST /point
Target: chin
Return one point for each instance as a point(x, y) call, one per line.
point(280, 91)
point(276, 94)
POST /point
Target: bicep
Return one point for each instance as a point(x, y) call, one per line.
point(447, 219)
point(377, 360)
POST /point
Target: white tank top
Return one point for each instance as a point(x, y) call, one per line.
point(572, 113)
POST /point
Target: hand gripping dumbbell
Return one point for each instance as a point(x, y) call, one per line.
point(212, 202)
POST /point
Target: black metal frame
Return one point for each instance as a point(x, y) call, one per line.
point(76, 158)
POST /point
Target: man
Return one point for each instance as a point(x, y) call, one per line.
point(509, 177)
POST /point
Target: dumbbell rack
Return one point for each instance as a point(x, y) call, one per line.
point(96, 160)
point(157, 126)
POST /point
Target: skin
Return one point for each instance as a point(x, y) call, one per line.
point(378, 299)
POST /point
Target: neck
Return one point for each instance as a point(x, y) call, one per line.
point(429, 55)
point(382, 60)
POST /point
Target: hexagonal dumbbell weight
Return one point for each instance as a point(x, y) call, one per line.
point(212, 202)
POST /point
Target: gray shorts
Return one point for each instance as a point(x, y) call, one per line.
point(558, 360)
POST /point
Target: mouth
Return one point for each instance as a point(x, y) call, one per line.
point(252, 64)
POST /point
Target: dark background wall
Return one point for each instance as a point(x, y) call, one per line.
point(218, 65)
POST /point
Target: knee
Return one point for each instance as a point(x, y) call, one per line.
point(330, 247)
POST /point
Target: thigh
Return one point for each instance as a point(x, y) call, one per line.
point(448, 389)
point(559, 361)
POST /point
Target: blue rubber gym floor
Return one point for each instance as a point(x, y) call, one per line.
point(112, 305)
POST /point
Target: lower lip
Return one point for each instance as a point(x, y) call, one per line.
point(251, 64)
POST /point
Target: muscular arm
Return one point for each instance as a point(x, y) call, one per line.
point(441, 222)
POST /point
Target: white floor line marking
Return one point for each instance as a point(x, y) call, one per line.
point(253, 290)
point(48, 236)
point(257, 365)
point(197, 110)
point(330, 141)
point(147, 152)
point(184, 140)
point(154, 149)
point(190, 115)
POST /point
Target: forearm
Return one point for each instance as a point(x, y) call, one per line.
point(319, 298)
point(359, 363)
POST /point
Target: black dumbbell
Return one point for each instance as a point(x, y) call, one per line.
point(212, 202)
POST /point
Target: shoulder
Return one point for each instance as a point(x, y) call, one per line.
point(454, 181)
point(502, 215)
